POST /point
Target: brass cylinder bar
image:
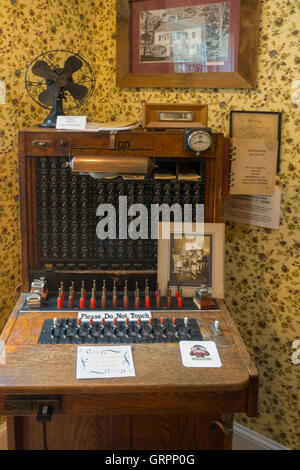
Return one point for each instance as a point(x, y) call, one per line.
point(112, 164)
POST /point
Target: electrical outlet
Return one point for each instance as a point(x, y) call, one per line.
point(20, 404)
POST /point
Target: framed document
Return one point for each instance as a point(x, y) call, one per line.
point(191, 259)
point(257, 125)
point(194, 44)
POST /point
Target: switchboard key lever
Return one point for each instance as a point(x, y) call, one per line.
point(217, 329)
point(115, 326)
point(103, 326)
point(139, 326)
point(55, 330)
point(151, 326)
point(127, 326)
point(162, 323)
point(186, 324)
point(175, 325)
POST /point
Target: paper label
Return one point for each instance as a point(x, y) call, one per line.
point(144, 315)
point(102, 362)
point(2, 92)
point(71, 122)
point(199, 354)
point(253, 169)
point(262, 211)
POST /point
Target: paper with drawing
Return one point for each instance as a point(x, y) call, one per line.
point(95, 362)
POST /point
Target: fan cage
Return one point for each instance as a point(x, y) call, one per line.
point(89, 78)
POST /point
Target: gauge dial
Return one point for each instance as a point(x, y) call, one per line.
point(199, 141)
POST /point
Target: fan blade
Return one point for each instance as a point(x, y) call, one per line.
point(49, 96)
point(42, 69)
point(72, 64)
point(77, 91)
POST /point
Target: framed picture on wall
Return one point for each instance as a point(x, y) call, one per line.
point(199, 43)
point(192, 259)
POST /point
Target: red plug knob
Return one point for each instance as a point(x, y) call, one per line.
point(60, 302)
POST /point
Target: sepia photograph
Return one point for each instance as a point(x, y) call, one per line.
point(191, 260)
point(197, 34)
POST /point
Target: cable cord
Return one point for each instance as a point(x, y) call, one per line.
point(44, 416)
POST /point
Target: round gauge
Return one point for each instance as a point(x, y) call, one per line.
point(198, 141)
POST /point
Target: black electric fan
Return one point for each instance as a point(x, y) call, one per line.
point(59, 89)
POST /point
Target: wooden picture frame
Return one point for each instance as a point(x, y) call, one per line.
point(194, 266)
point(258, 125)
point(173, 116)
point(234, 67)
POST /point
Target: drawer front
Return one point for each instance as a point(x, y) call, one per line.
point(59, 143)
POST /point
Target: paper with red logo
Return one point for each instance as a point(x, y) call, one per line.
point(199, 354)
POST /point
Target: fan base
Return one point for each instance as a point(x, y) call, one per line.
point(50, 120)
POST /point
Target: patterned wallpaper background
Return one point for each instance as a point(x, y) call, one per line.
point(262, 266)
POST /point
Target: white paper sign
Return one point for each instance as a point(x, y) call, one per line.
point(97, 315)
point(199, 354)
point(2, 92)
point(71, 122)
point(102, 362)
point(262, 211)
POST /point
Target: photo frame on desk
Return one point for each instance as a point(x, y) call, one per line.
point(207, 44)
point(258, 125)
point(191, 259)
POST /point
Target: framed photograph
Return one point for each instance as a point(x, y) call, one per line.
point(191, 259)
point(187, 44)
point(257, 125)
point(170, 116)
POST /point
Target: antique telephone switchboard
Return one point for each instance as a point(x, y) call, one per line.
point(68, 272)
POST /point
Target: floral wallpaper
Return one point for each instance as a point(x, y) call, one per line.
point(262, 266)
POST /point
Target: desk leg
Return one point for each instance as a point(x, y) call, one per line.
point(14, 432)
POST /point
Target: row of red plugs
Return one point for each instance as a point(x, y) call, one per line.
point(115, 301)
